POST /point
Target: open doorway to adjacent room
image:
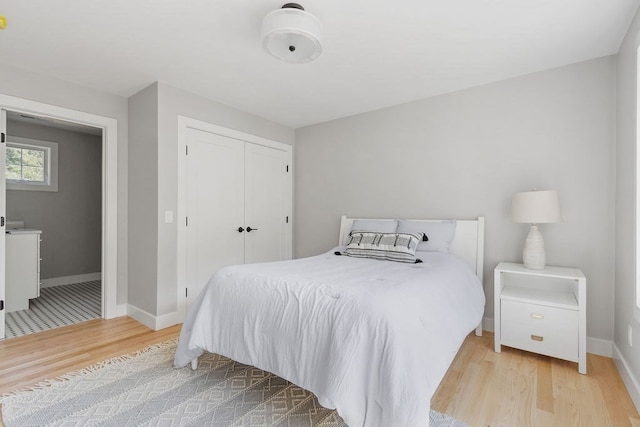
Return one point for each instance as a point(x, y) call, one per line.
point(54, 223)
point(103, 156)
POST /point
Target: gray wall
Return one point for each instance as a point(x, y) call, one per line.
point(463, 155)
point(143, 199)
point(28, 85)
point(156, 291)
point(71, 218)
point(625, 269)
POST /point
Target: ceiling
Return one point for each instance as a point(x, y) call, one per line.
point(376, 54)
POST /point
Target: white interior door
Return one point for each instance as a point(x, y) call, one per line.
point(3, 216)
point(214, 206)
point(229, 180)
point(266, 204)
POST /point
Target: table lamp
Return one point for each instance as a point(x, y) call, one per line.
point(535, 207)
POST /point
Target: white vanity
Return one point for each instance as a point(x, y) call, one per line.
point(22, 267)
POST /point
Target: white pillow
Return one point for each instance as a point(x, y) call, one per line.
point(375, 225)
point(439, 233)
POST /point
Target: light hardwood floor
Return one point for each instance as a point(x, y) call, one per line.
point(515, 388)
point(26, 360)
point(482, 388)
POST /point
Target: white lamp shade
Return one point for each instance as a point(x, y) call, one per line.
point(292, 35)
point(536, 207)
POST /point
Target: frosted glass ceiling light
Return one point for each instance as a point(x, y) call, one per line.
point(291, 34)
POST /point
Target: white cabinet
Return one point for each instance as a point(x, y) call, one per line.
point(22, 268)
point(542, 311)
point(238, 204)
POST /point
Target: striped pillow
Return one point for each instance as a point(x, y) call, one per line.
point(399, 247)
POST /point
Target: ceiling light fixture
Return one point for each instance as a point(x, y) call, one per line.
point(292, 34)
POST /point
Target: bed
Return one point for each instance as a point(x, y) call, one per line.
point(371, 338)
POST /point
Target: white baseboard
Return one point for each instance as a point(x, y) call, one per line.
point(67, 280)
point(599, 347)
point(487, 324)
point(594, 345)
point(167, 320)
point(121, 310)
point(630, 381)
point(149, 320)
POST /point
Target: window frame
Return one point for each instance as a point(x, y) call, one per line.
point(51, 165)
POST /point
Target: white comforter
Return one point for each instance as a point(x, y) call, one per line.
point(371, 338)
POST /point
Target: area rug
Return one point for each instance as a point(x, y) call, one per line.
point(145, 389)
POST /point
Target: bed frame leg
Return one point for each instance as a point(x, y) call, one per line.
point(194, 364)
point(479, 330)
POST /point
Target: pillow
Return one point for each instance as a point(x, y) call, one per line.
point(377, 225)
point(439, 233)
point(399, 247)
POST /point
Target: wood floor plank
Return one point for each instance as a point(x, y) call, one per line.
point(544, 418)
point(544, 391)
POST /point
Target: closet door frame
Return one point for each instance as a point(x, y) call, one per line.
point(184, 124)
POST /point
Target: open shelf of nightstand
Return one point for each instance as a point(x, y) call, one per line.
point(559, 299)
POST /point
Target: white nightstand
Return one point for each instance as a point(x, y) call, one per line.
point(542, 311)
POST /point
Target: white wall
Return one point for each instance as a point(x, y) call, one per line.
point(625, 209)
point(25, 84)
point(463, 155)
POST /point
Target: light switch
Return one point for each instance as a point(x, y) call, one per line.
point(168, 217)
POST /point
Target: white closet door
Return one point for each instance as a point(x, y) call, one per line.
point(267, 202)
point(215, 206)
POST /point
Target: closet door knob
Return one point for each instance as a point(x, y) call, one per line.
point(240, 229)
point(249, 229)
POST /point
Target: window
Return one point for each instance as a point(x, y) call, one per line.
point(27, 164)
point(31, 165)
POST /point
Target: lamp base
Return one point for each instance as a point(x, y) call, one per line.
point(533, 256)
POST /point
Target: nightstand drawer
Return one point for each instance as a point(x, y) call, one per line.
point(541, 329)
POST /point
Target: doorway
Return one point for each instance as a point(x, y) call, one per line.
point(109, 194)
point(54, 216)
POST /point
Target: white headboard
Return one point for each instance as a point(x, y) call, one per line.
point(468, 243)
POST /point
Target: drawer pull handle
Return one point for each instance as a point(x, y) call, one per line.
point(537, 338)
point(537, 315)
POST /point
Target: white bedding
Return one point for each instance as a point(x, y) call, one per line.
point(371, 338)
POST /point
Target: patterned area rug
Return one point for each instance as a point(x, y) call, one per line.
point(57, 306)
point(144, 389)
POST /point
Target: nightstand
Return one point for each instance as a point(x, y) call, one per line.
point(542, 311)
